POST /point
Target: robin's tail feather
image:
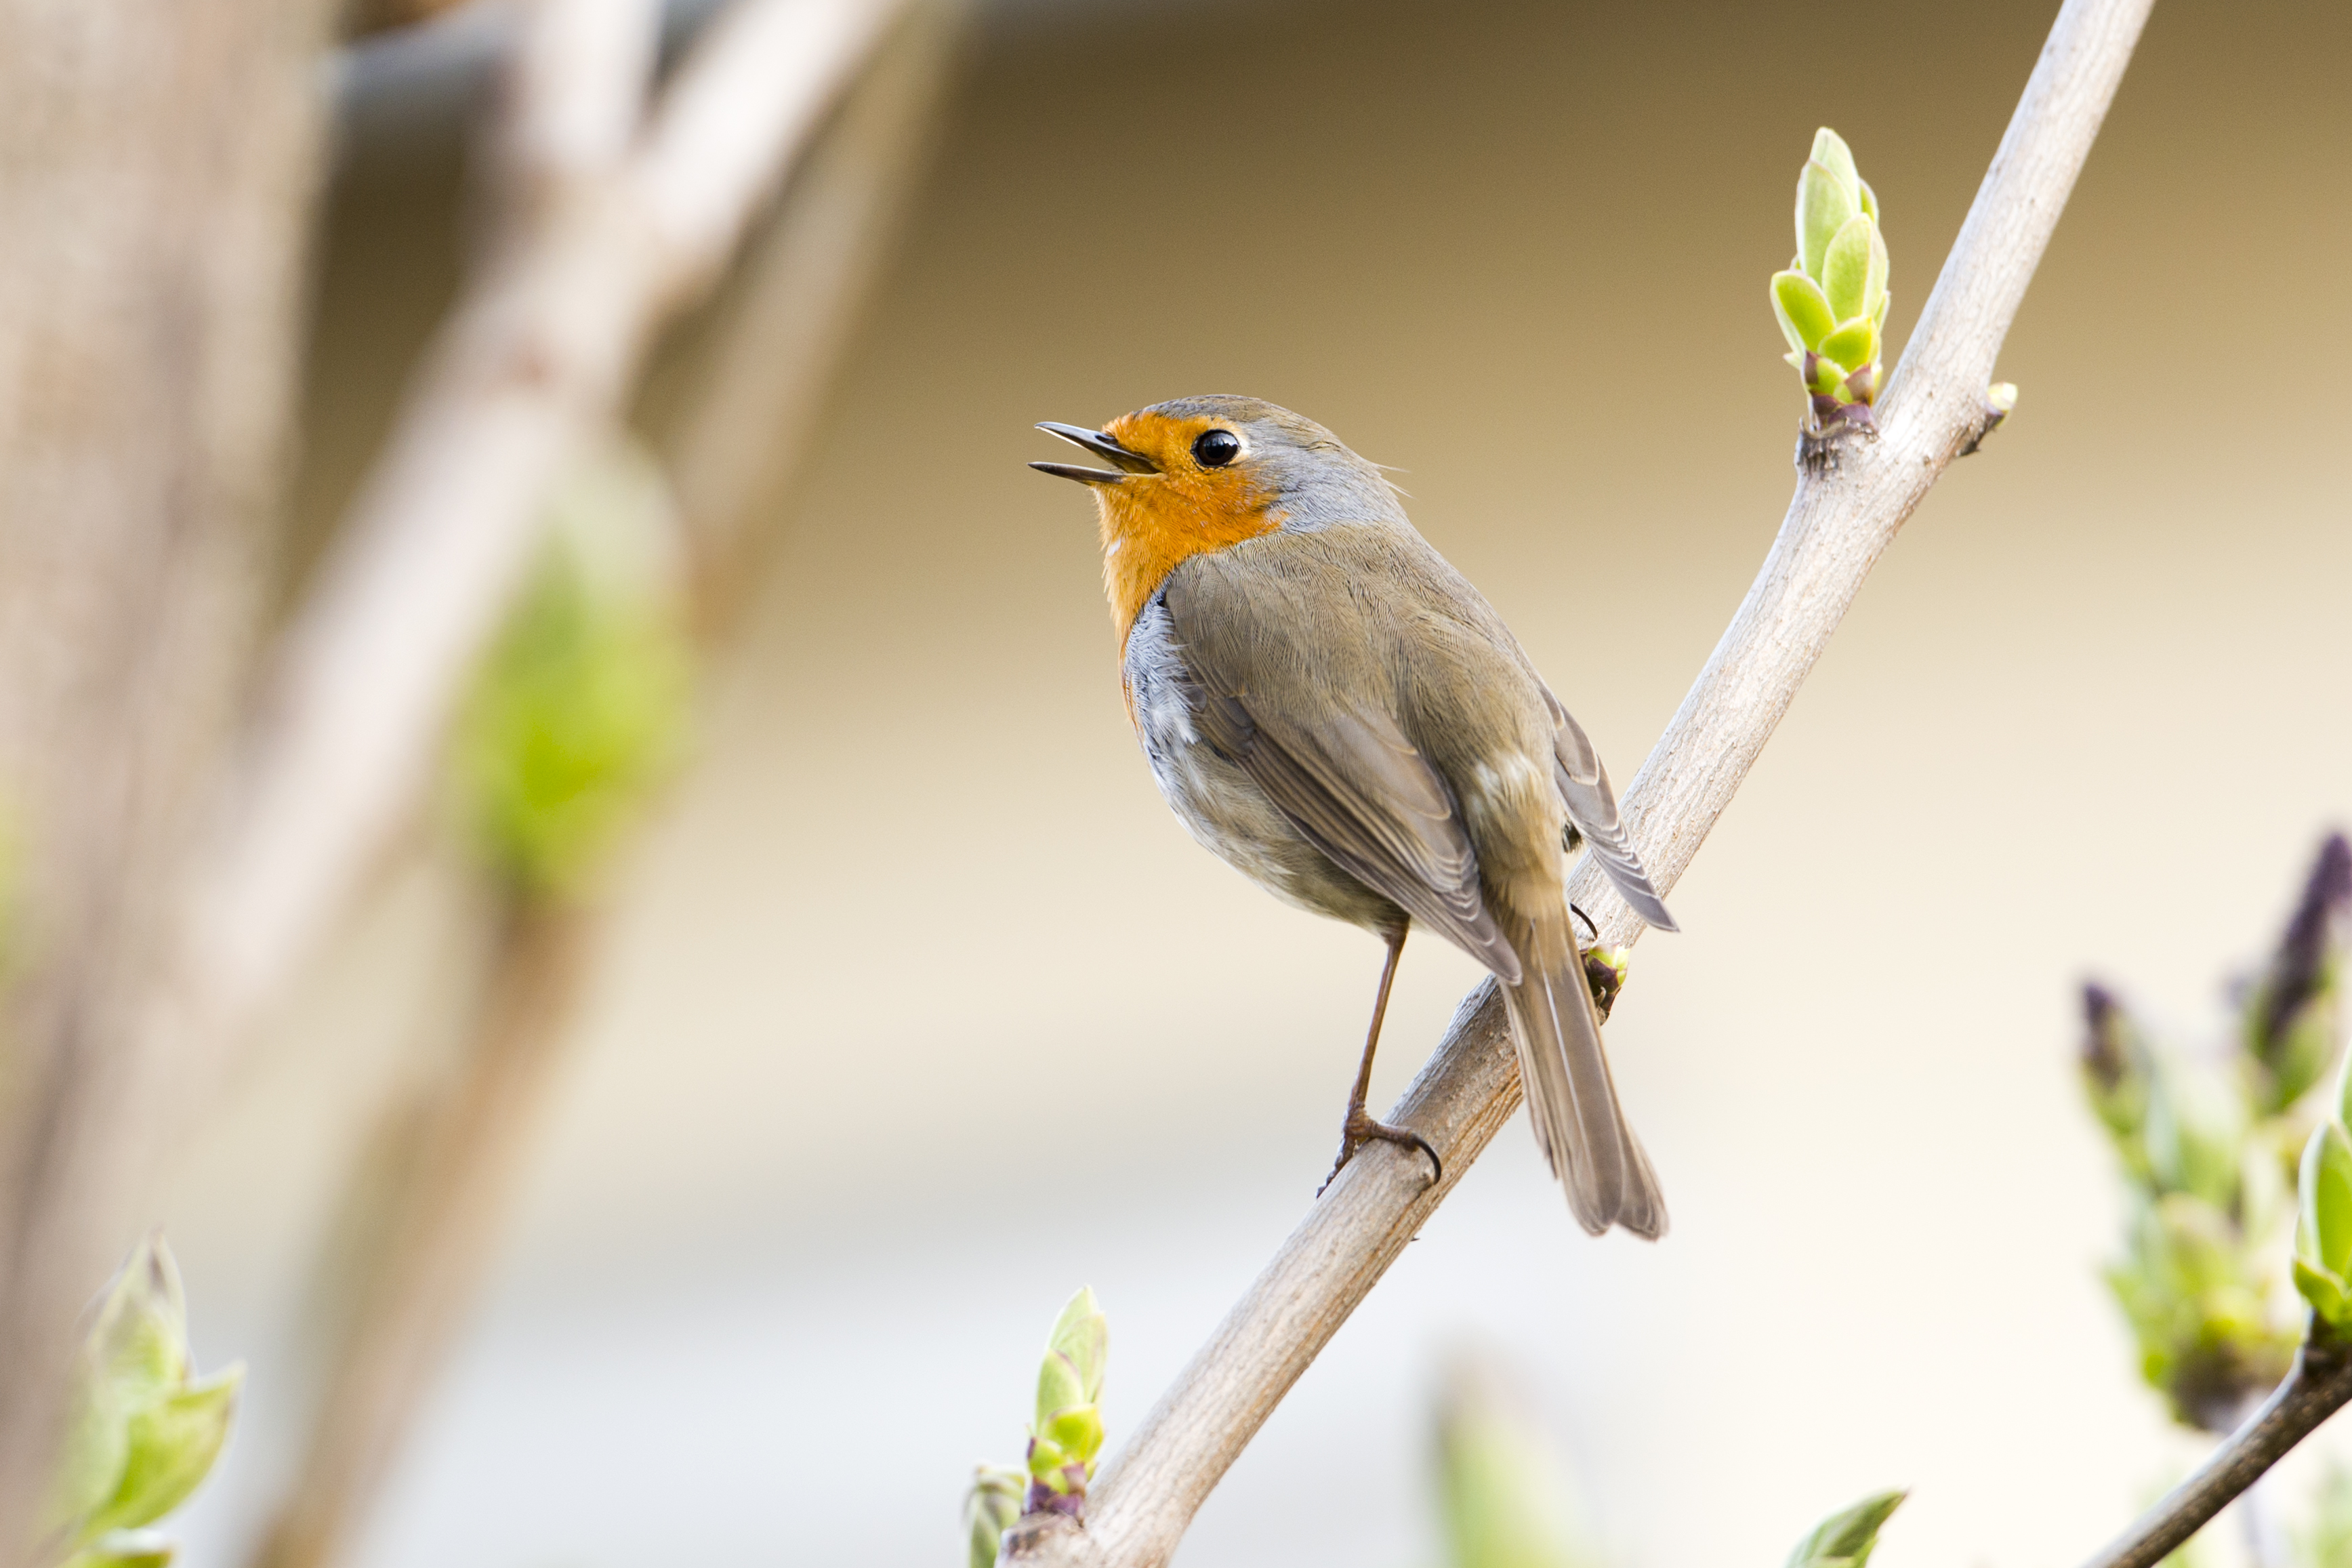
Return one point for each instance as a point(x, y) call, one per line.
point(1579, 1124)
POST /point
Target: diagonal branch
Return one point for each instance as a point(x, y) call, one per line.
point(1838, 524)
point(2316, 1387)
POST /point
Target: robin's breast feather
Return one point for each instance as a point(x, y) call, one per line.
point(1219, 804)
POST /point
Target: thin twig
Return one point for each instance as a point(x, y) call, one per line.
point(429, 1210)
point(2319, 1384)
point(619, 229)
point(1839, 522)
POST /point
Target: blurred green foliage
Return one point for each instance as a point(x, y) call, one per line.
point(1845, 1540)
point(1503, 1496)
point(580, 709)
point(143, 1430)
point(2207, 1149)
point(989, 1509)
point(2326, 1541)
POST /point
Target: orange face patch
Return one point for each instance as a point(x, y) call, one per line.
point(1153, 523)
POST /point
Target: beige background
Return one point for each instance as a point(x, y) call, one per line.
point(920, 1009)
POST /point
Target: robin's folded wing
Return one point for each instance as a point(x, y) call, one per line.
point(1592, 807)
point(1361, 793)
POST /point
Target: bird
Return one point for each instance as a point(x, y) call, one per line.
point(1331, 709)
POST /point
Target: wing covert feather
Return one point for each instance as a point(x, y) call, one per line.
point(1348, 780)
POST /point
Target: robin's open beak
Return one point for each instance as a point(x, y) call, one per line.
point(1101, 446)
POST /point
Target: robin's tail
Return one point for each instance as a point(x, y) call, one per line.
point(1571, 1099)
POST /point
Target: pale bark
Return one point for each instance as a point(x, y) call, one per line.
point(157, 166)
point(1838, 524)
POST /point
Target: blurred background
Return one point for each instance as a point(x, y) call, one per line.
point(910, 932)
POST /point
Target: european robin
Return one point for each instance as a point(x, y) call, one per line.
point(1336, 713)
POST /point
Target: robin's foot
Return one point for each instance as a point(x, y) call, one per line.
point(1363, 1129)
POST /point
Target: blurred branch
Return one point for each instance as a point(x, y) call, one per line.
point(612, 218)
point(610, 234)
point(437, 1227)
point(156, 170)
point(2319, 1386)
point(1844, 514)
point(434, 1201)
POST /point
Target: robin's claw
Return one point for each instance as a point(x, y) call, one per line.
point(1363, 1129)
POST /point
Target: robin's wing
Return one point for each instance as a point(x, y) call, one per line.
point(1343, 774)
point(1592, 807)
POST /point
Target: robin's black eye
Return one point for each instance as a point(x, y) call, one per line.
point(1215, 449)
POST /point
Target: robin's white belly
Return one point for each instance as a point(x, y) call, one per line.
point(1218, 803)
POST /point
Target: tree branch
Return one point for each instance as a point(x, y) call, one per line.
point(616, 231)
point(610, 222)
point(2318, 1386)
point(1840, 519)
point(426, 1208)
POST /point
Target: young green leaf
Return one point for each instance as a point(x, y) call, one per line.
point(1059, 1388)
point(1874, 289)
point(1803, 310)
point(1846, 1540)
point(1830, 152)
point(2326, 1192)
point(2324, 1291)
point(1846, 269)
point(1855, 342)
point(1825, 204)
point(1083, 1334)
point(174, 1443)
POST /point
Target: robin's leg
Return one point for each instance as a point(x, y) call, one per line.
point(1360, 1128)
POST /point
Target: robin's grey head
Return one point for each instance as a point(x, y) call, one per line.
point(1230, 455)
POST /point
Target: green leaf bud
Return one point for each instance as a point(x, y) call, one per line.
point(1846, 1540)
point(989, 1509)
point(1066, 1435)
point(579, 709)
point(1824, 374)
point(1869, 199)
point(142, 1435)
point(1803, 310)
point(1605, 969)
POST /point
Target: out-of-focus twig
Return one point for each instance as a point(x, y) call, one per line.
point(1842, 516)
point(433, 1199)
point(612, 217)
point(156, 170)
point(613, 232)
point(435, 1234)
